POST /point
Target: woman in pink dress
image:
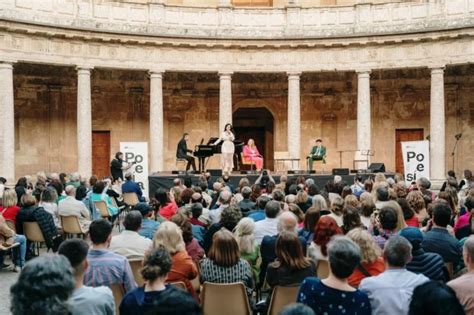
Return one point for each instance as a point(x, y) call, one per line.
point(251, 154)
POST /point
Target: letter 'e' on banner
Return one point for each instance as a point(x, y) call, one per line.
point(416, 159)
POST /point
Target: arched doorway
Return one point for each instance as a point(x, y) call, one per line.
point(256, 123)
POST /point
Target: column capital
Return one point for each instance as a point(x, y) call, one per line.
point(292, 75)
point(6, 65)
point(156, 73)
point(225, 74)
point(84, 69)
point(363, 71)
point(436, 69)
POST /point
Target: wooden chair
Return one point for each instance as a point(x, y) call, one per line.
point(450, 267)
point(180, 162)
point(229, 299)
point(34, 234)
point(11, 225)
point(179, 285)
point(136, 265)
point(281, 297)
point(70, 225)
point(102, 207)
point(247, 162)
point(118, 291)
point(322, 271)
point(130, 199)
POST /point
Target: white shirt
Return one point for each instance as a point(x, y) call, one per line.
point(51, 208)
point(215, 215)
point(130, 244)
point(265, 227)
point(69, 206)
point(390, 292)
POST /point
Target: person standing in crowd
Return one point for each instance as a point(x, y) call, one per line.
point(339, 296)
point(251, 154)
point(182, 152)
point(390, 292)
point(318, 153)
point(118, 165)
point(85, 300)
point(227, 150)
point(463, 286)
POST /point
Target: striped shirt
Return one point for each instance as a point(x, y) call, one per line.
point(106, 268)
point(240, 272)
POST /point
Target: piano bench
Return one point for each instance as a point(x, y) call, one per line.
point(184, 162)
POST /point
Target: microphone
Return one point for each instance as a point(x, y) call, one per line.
point(458, 136)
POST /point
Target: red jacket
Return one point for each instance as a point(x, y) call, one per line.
point(10, 213)
point(168, 210)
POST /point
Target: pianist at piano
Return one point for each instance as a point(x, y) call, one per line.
point(182, 152)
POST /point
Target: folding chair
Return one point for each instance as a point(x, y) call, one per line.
point(136, 265)
point(34, 234)
point(130, 199)
point(322, 270)
point(281, 297)
point(229, 299)
point(118, 292)
point(71, 226)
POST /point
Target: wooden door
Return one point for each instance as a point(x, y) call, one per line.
point(405, 135)
point(101, 153)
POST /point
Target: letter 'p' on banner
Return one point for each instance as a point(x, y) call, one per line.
point(416, 159)
point(137, 152)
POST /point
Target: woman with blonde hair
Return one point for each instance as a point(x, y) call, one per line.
point(9, 210)
point(337, 210)
point(417, 204)
point(371, 260)
point(351, 201)
point(250, 153)
point(169, 236)
point(320, 204)
point(303, 201)
point(249, 250)
point(293, 208)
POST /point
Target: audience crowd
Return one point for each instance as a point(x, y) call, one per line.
point(375, 246)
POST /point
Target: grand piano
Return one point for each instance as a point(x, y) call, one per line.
point(204, 151)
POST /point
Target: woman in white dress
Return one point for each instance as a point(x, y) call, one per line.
point(227, 150)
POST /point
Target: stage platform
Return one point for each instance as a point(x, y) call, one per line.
point(165, 179)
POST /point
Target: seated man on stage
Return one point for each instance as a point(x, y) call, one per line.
point(251, 153)
point(318, 153)
point(182, 152)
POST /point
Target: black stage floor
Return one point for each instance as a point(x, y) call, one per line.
point(165, 180)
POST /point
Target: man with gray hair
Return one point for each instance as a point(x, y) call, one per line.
point(463, 285)
point(225, 197)
point(69, 206)
point(74, 180)
point(246, 205)
point(267, 226)
point(391, 291)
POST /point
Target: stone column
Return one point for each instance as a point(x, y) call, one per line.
point(437, 125)
point(363, 111)
point(294, 122)
point(7, 128)
point(156, 122)
point(225, 100)
point(84, 122)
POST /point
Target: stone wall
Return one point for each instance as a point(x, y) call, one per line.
point(45, 111)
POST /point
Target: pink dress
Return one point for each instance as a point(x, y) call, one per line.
point(252, 154)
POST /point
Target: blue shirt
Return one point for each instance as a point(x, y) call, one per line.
point(325, 300)
point(148, 228)
point(132, 187)
point(439, 241)
point(257, 215)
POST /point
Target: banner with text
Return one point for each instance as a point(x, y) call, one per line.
point(137, 152)
point(416, 159)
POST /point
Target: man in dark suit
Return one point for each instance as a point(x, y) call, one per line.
point(182, 152)
point(318, 153)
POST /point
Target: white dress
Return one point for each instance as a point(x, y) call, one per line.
point(227, 150)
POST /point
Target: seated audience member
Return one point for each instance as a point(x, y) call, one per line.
point(43, 287)
point(249, 250)
point(293, 208)
point(463, 286)
point(69, 206)
point(229, 219)
point(438, 240)
point(192, 245)
point(99, 193)
point(435, 298)
point(167, 204)
point(371, 260)
point(465, 222)
point(311, 218)
point(130, 186)
point(149, 226)
point(29, 212)
point(267, 226)
point(105, 266)
point(170, 237)
point(9, 210)
point(367, 207)
point(429, 264)
point(48, 203)
point(196, 213)
point(84, 299)
point(259, 213)
point(223, 202)
point(286, 222)
point(325, 229)
point(129, 243)
point(74, 180)
point(320, 203)
point(391, 291)
point(351, 219)
point(21, 188)
point(339, 296)
point(408, 213)
point(7, 238)
point(290, 266)
point(302, 201)
point(337, 209)
point(386, 227)
point(417, 204)
point(223, 263)
point(246, 205)
point(157, 297)
point(382, 196)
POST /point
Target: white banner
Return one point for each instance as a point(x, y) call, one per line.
point(416, 159)
point(137, 152)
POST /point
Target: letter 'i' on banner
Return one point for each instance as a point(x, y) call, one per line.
point(137, 152)
point(416, 159)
